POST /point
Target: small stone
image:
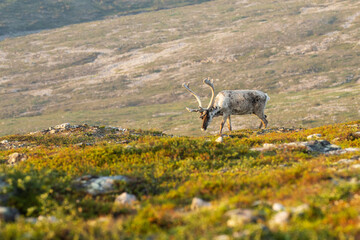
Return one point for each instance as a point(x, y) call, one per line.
point(268, 146)
point(314, 136)
point(279, 219)
point(126, 199)
point(240, 217)
point(352, 149)
point(219, 140)
point(260, 203)
point(4, 141)
point(222, 237)
point(63, 126)
point(198, 203)
point(15, 158)
point(8, 214)
point(301, 209)
point(278, 207)
point(355, 166)
point(344, 161)
point(49, 219)
point(354, 181)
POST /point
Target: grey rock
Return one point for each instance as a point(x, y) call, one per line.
point(240, 217)
point(15, 158)
point(352, 149)
point(345, 161)
point(95, 185)
point(279, 219)
point(126, 199)
point(278, 207)
point(198, 203)
point(222, 237)
point(63, 126)
point(301, 209)
point(41, 218)
point(242, 234)
point(321, 146)
point(8, 214)
point(356, 166)
point(219, 140)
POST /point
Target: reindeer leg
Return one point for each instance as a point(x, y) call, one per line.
point(229, 123)
point(222, 124)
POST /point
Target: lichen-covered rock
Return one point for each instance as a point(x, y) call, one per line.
point(95, 185)
point(198, 203)
point(15, 158)
point(126, 199)
point(8, 214)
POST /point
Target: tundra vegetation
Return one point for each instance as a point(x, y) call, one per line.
point(254, 185)
point(128, 70)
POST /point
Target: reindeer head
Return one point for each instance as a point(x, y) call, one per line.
point(205, 113)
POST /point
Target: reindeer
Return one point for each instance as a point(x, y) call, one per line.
point(230, 102)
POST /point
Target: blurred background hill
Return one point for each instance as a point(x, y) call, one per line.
point(127, 70)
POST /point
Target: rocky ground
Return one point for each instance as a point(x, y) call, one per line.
point(269, 184)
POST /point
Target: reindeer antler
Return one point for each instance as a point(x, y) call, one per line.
point(210, 83)
point(201, 109)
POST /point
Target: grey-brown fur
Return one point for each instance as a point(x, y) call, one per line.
point(232, 102)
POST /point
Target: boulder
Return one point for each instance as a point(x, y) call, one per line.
point(198, 203)
point(321, 146)
point(15, 158)
point(95, 185)
point(126, 199)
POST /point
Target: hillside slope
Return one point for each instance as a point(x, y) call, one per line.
point(128, 71)
point(91, 182)
point(18, 16)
